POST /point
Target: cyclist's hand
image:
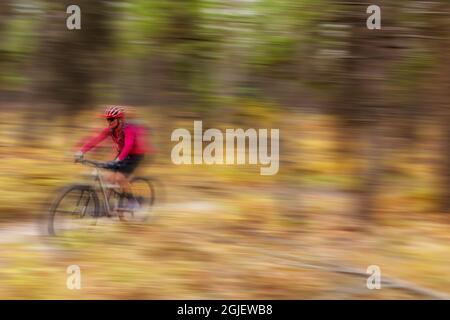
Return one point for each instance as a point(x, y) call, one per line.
point(78, 156)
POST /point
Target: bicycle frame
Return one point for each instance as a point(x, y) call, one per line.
point(98, 179)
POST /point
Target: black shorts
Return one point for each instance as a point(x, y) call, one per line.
point(129, 164)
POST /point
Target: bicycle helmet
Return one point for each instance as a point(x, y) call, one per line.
point(113, 112)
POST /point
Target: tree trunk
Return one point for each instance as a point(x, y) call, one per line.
point(445, 205)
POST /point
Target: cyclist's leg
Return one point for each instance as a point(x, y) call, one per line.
point(122, 180)
point(127, 193)
point(111, 178)
point(122, 177)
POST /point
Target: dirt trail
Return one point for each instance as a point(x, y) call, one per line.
point(31, 230)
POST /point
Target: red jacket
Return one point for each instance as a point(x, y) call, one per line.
point(129, 141)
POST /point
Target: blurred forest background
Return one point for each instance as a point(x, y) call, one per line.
point(364, 143)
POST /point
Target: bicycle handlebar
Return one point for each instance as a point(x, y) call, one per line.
point(93, 163)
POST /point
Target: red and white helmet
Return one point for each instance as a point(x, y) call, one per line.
point(114, 112)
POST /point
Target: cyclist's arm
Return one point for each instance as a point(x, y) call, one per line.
point(95, 140)
point(129, 136)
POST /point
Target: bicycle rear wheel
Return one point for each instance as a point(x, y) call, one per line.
point(143, 191)
point(76, 208)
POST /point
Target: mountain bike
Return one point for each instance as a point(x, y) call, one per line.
point(79, 206)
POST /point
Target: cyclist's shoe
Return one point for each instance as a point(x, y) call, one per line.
point(140, 200)
point(131, 203)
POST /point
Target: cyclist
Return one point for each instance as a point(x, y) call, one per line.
point(130, 145)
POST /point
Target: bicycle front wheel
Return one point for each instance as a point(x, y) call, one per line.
point(76, 208)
